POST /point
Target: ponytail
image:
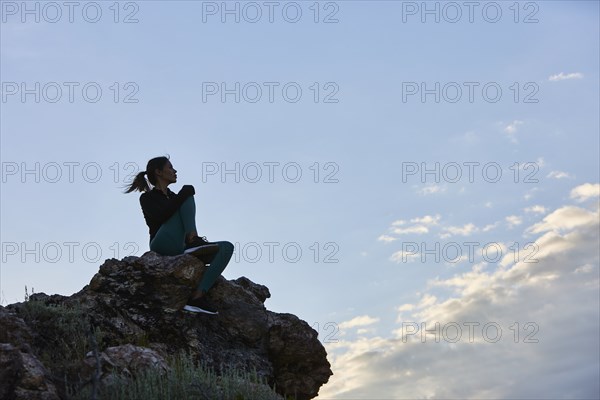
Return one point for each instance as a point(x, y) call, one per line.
point(140, 183)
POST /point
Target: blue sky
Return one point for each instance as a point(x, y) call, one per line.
point(363, 131)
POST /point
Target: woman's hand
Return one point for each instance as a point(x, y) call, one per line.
point(187, 190)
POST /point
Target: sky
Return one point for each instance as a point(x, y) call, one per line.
point(418, 181)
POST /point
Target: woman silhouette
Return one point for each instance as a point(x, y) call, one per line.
point(171, 219)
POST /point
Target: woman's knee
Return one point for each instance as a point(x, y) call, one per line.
point(190, 199)
point(226, 247)
point(166, 243)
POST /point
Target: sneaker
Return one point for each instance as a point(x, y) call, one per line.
point(200, 305)
point(199, 246)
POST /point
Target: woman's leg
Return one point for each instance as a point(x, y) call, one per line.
point(170, 238)
point(217, 266)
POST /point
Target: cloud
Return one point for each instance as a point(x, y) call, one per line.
point(584, 269)
point(513, 220)
point(546, 311)
point(489, 227)
point(563, 77)
point(536, 209)
point(364, 331)
point(422, 226)
point(427, 219)
point(530, 193)
point(417, 229)
point(564, 219)
point(586, 191)
point(541, 163)
point(386, 238)
point(464, 230)
point(558, 175)
point(431, 189)
point(406, 307)
point(362, 320)
point(512, 128)
point(404, 256)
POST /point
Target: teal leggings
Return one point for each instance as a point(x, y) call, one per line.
point(170, 241)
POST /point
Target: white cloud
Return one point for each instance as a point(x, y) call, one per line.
point(544, 300)
point(563, 219)
point(541, 163)
point(405, 256)
point(431, 189)
point(513, 220)
point(489, 227)
point(464, 230)
point(530, 193)
point(562, 76)
point(427, 219)
point(362, 320)
point(427, 301)
point(536, 209)
point(417, 229)
point(586, 191)
point(386, 238)
point(364, 331)
point(513, 127)
point(558, 175)
point(584, 269)
point(406, 307)
point(422, 226)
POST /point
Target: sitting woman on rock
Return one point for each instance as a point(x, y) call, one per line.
point(171, 219)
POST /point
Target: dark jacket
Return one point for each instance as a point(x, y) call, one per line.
point(158, 207)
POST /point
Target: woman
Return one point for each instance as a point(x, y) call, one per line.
point(171, 220)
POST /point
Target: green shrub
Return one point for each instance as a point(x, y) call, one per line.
point(62, 333)
point(184, 380)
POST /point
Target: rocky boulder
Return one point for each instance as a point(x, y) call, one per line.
point(137, 304)
point(23, 376)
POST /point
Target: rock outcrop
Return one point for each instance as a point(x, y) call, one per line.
point(137, 304)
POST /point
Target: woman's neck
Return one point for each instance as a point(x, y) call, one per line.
point(162, 187)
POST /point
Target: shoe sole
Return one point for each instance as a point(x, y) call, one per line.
point(199, 310)
point(202, 250)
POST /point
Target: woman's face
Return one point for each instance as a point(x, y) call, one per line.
point(168, 173)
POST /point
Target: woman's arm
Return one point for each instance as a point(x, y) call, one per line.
point(157, 208)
